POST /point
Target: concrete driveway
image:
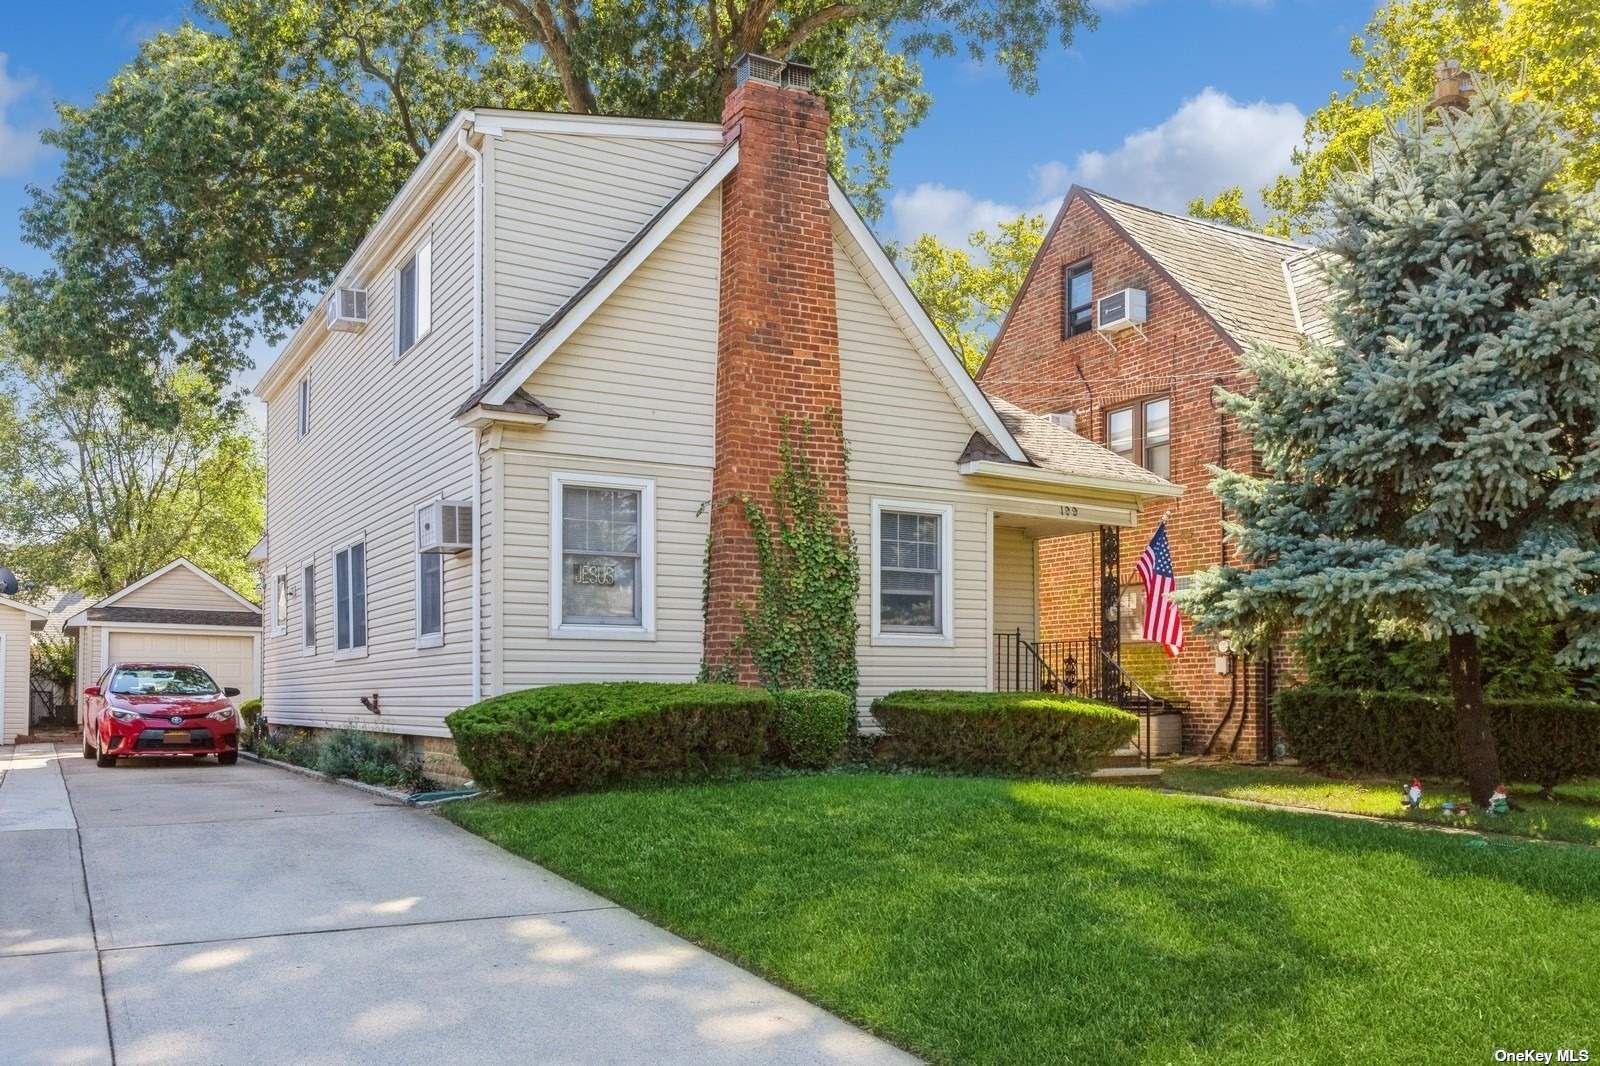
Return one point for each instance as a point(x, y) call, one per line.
point(196, 913)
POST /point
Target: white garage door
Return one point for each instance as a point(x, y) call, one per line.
point(228, 659)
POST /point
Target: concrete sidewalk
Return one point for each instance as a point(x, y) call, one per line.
point(195, 913)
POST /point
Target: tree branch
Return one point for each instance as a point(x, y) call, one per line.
point(540, 21)
point(804, 28)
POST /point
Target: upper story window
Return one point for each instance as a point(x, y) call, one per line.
point(1079, 299)
point(350, 599)
point(1142, 433)
point(911, 573)
point(414, 298)
point(603, 554)
point(305, 405)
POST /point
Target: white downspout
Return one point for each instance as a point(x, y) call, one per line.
point(477, 432)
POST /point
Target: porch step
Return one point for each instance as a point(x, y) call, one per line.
point(1122, 757)
point(1136, 776)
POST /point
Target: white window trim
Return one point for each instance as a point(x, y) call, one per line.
point(945, 638)
point(424, 640)
point(646, 488)
point(355, 651)
point(309, 603)
point(280, 603)
point(422, 252)
point(303, 406)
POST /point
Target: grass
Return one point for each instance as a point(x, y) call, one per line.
point(980, 920)
point(1572, 815)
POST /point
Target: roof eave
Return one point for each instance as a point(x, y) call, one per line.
point(1138, 489)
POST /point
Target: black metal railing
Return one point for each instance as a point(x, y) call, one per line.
point(1077, 668)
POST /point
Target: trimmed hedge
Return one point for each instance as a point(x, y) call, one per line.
point(811, 727)
point(999, 732)
point(1544, 741)
point(565, 738)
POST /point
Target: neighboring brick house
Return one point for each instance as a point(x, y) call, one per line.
point(1148, 394)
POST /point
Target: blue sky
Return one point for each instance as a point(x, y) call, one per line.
point(1165, 100)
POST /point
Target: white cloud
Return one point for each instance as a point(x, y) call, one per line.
point(1211, 142)
point(18, 147)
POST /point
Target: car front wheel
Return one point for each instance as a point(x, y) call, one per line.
point(88, 749)
point(228, 758)
point(102, 759)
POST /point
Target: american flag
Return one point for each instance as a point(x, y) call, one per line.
point(1162, 622)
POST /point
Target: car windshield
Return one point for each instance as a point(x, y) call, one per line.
point(162, 681)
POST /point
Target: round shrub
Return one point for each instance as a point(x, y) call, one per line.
point(250, 712)
point(565, 738)
point(999, 732)
point(811, 727)
point(1545, 741)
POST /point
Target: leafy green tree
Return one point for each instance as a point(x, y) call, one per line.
point(221, 178)
point(967, 292)
point(1549, 48)
point(1437, 473)
point(1226, 207)
point(97, 499)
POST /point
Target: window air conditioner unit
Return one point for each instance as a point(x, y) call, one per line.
point(445, 527)
point(1119, 310)
point(347, 310)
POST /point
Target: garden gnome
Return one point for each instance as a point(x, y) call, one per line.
point(1412, 797)
point(1498, 803)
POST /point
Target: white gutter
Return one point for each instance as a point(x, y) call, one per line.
point(1015, 472)
point(477, 431)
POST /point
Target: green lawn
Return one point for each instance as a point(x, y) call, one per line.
point(996, 921)
point(1574, 813)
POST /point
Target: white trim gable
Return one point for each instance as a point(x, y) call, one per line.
point(945, 363)
point(169, 568)
point(32, 612)
point(576, 315)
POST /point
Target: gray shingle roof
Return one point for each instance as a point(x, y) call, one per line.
point(174, 616)
point(1238, 277)
point(1308, 278)
point(1055, 448)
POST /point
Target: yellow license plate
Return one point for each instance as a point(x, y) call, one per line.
point(177, 737)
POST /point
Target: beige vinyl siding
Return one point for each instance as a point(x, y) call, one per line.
point(635, 388)
point(382, 441)
point(14, 626)
point(1015, 590)
point(564, 205)
point(181, 589)
point(905, 432)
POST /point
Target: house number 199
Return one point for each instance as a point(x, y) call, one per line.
point(1068, 511)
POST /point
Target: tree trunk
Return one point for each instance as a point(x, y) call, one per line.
point(1479, 757)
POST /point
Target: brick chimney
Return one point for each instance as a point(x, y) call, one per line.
point(778, 338)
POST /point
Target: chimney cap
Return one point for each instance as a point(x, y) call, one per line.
point(785, 74)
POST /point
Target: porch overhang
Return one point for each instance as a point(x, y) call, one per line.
point(1135, 491)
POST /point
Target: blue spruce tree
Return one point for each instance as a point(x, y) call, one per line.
point(1436, 470)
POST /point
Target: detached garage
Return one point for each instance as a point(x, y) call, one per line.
point(17, 622)
point(180, 614)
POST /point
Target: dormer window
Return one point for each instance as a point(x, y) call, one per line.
point(1079, 299)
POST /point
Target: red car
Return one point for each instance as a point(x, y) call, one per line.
point(164, 710)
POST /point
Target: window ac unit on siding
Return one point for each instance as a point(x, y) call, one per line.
point(347, 310)
point(445, 527)
point(1119, 310)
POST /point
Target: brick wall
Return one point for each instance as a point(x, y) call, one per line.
point(778, 342)
point(1182, 355)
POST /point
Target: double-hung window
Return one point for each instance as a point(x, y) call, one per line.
point(602, 540)
point(911, 576)
point(350, 599)
point(414, 298)
point(430, 591)
point(1142, 433)
point(308, 607)
point(1078, 299)
point(280, 603)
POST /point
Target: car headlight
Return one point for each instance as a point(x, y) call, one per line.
point(221, 714)
point(124, 716)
